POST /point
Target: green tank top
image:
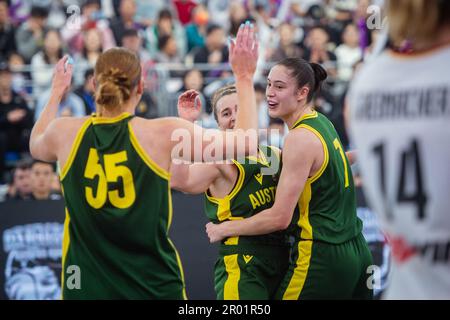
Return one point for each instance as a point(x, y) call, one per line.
point(326, 209)
point(118, 213)
point(253, 192)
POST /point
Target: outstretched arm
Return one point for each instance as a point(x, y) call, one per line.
point(193, 178)
point(299, 154)
point(198, 144)
point(42, 139)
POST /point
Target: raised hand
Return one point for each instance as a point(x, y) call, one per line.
point(62, 76)
point(244, 52)
point(189, 105)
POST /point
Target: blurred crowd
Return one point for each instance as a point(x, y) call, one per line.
point(182, 45)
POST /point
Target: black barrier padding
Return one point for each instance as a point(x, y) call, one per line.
point(33, 240)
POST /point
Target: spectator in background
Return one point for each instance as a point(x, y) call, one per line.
point(317, 50)
point(7, 33)
point(30, 35)
point(348, 53)
point(146, 11)
point(166, 25)
point(219, 9)
point(127, 10)
point(237, 14)
point(147, 107)
point(360, 20)
point(287, 47)
point(184, 9)
point(71, 105)
point(196, 31)
point(132, 41)
point(16, 119)
point(41, 179)
point(193, 80)
point(19, 77)
point(91, 18)
point(168, 51)
point(43, 61)
point(86, 92)
point(20, 188)
point(214, 51)
point(92, 48)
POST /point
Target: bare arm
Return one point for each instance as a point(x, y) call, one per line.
point(193, 178)
point(214, 145)
point(42, 139)
point(299, 156)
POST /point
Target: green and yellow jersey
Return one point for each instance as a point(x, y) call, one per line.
point(326, 209)
point(118, 213)
point(253, 192)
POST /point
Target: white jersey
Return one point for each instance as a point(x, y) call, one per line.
point(400, 125)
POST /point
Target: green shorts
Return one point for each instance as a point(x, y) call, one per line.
point(320, 270)
point(250, 274)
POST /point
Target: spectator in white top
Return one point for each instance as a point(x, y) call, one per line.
point(348, 53)
point(43, 61)
point(92, 48)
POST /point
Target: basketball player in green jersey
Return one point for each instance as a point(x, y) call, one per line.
point(114, 173)
point(248, 267)
point(315, 197)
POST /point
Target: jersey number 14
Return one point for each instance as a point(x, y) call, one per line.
point(410, 162)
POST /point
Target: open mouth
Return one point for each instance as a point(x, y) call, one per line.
point(272, 105)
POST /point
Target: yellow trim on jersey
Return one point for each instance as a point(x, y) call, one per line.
point(300, 273)
point(104, 120)
point(239, 182)
point(74, 149)
point(277, 151)
point(303, 207)
point(223, 204)
point(326, 156)
point(237, 187)
point(298, 278)
point(169, 223)
point(145, 157)
point(262, 159)
point(231, 289)
point(180, 266)
point(312, 115)
point(65, 249)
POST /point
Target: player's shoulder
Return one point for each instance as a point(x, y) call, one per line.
point(301, 139)
point(67, 124)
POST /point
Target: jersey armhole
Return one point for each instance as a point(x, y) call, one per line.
point(325, 152)
point(74, 149)
point(145, 157)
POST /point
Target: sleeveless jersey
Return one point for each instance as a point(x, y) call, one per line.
point(400, 116)
point(118, 213)
point(326, 209)
point(254, 191)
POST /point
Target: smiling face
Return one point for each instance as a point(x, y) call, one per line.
point(282, 93)
point(226, 109)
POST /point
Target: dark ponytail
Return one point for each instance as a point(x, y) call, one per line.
point(305, 74)
point(319, 76)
